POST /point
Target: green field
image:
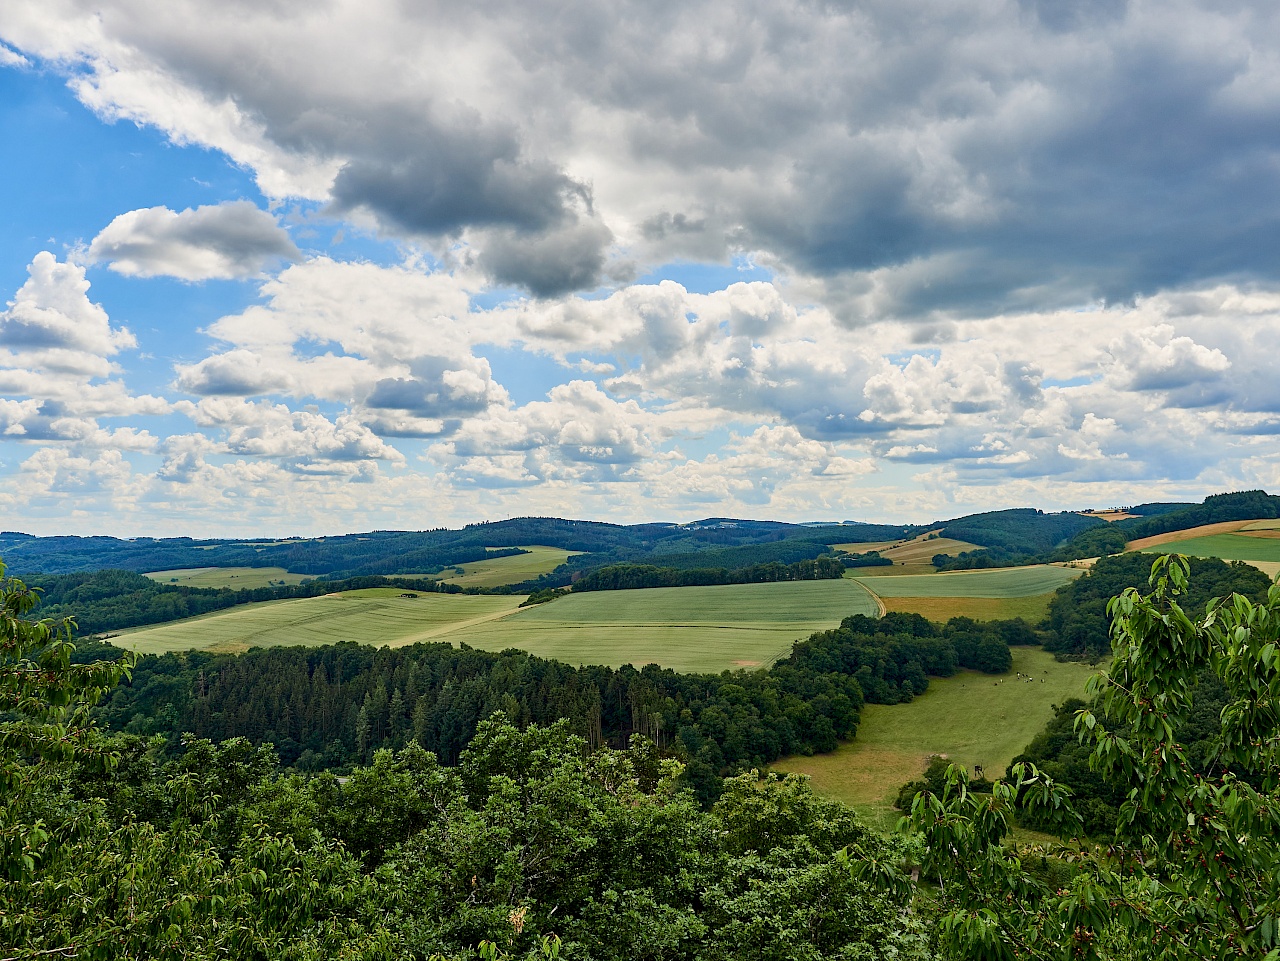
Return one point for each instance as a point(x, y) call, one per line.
point(236, 578)
point(1003, 582)
point(379, 616)
point(972, 718)
point(685, 628)
point(1230, 547)
point(509, 570)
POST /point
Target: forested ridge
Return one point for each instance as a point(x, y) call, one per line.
point(1008, 541)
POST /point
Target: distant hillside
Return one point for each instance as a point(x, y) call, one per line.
point(1006, 538)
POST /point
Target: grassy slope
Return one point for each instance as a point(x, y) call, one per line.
point(236, 578)
point(510, 570)
point(1001, 583)
point(379, 617)
point(686, 628)
point(970, 717)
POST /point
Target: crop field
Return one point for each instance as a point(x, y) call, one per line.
point(694, 629)
point(1031, 609)
point(1005, 582)
point(379, 616)
point(236, 578)
point(509, 570)
point(972, 718)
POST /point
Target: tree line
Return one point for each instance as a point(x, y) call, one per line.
point(623, 577)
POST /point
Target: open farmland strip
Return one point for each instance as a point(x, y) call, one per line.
point(998, 583)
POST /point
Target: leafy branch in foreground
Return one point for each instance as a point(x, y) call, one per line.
point(1193, 870)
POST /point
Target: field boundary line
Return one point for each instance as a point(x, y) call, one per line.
point(448, 629)
point(874, 596)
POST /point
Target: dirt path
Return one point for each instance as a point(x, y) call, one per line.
point(874, 596)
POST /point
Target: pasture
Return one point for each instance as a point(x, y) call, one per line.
point(691, 629)
point(972, 718)
point(236, 578)
point(379, 616)
point(507, 570)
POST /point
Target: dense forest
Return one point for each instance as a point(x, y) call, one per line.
point(1078, 623)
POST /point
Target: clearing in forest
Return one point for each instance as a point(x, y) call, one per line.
point(236, 578)
point(690, 629)
point(379, 616)
point(972, 718)
point(507, 570)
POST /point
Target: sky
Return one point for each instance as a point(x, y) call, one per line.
point(283, 268)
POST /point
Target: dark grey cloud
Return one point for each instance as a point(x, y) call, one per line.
point(549, 264)
point(917, 158)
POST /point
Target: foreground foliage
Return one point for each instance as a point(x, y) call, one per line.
point(1193, 869)
point(532, 846)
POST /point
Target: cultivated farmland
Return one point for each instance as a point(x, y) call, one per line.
point(983, 595)
point(1001, 582)
point(236, 578)
point(689, 629)
point(379, 616)
point(685, 628)
point(507, 570)
point(970, 717)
